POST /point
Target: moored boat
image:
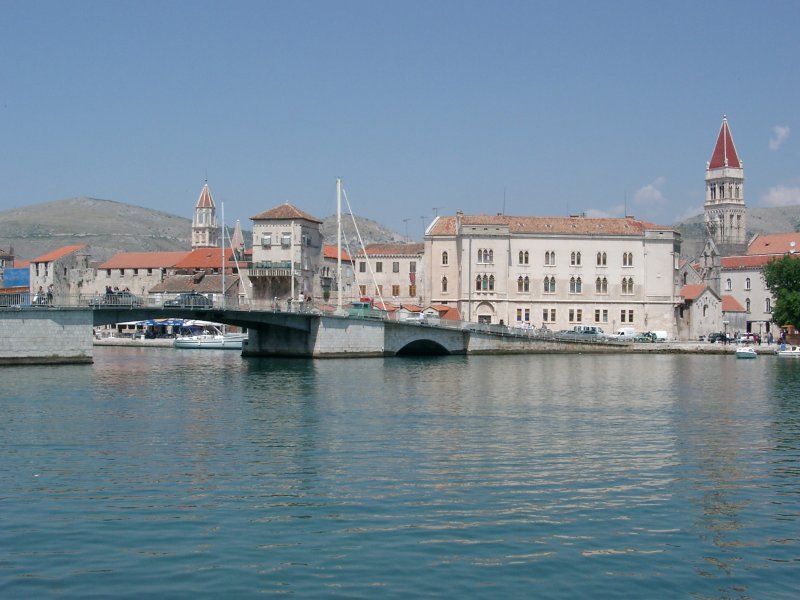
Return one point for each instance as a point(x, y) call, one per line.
point(209, 337)
point(746, 352)
point(785, 350)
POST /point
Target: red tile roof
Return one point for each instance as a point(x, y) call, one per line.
point(413, 249)
point(746, 262)
point(144, 260)
point(21, 264)
point(205, 200)
point(775, 243)
point(724, 151)
point(446, 312)
point(329, 251)
point(731, 304)
point(549, 225)
point(209, 284)
point(693, 291)
point(284, 212)
point(60, 253)
point(205, 258)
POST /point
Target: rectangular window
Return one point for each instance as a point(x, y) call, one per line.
point(108, 272)
point(286, 240)
point(519, 314)
point(266, 240)
point(395, 267)
point(395, 290)
point(362, 290)
point(412, 290)
point(380, 290)
point(605, 315)
point(149, 271)
point(571, 315)
point(136, 271)
point(596, 315)
point(552, 315)
point(545, 314)
point(630, 316)
point(622, 314)
point(412, 267)
point(379, 267)
point(362, 267)
point(579, 315)
point(527, 315)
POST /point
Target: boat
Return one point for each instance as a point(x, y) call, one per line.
point(784, 350)
point(745, 351)
point(208, 336)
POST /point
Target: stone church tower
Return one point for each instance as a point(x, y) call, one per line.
point(725, 210)
point(205, 233)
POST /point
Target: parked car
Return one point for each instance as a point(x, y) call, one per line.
point(120, 298)
point(189, 300)
point(718, 337)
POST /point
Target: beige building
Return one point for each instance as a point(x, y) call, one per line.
point(392, 272)
point(287, 256)
point(62, 275)
point(554, 271)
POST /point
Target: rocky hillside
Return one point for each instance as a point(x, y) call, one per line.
point(109, 227)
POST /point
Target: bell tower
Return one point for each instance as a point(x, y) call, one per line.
point(205, 233)
point(725, 210)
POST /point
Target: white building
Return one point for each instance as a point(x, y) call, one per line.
point(725, 210)
point(555, 271)
point(392, 272)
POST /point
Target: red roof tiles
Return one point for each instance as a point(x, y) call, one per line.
point(285, 212)
point(746, 262)
point(143, 260)
point(413, 249)
point(731, 304)
point(56, 254)
point(775, 243)
point(548, 225)
point(205, 258)
point(329, 251)
point(693, 291)
point(724, 151)
point(205, 200)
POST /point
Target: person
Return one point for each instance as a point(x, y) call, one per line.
point(769, 338)
point(50, 294)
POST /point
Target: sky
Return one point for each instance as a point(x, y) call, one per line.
point(423, 108)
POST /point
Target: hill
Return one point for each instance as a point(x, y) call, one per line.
point(109, 227)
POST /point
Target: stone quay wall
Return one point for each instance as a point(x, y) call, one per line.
point(43, 336)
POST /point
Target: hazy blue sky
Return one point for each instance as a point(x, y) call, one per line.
point(532, 108)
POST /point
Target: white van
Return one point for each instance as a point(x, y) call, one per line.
point(625, 333)
point(661, 336)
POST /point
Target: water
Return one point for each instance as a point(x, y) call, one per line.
point(184, 474)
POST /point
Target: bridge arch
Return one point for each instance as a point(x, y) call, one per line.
point(423, 347)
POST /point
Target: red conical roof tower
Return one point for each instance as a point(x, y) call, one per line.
point(724, 151)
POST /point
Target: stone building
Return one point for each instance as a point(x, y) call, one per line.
point(205, 231)
point(392, 272)
point(138, 272)
point(287, 256)
point(725, 210)
point(62, 274)
point(555, 271)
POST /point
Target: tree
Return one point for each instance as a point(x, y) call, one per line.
point(782, 277)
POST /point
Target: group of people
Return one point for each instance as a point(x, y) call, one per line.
point(43, 297)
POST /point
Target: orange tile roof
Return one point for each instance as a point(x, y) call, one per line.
point(693, 291)
point(205, 258)
point(284, 212)
point(21, 264)
point(205, 200)
point(746, 262)
point(209, 284)
point(60, 253)
point(412, 249)
point(724, 151)
point(731, 304)
point(775, 243)
point(329, 251)
point(549, 225)
point(446, 312)
point(143, 260)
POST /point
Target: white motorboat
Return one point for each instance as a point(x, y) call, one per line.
point(746, 352)
point(785, 350)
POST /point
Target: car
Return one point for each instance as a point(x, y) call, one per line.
point(121, 298)
point(718, 337)
point(189, 300)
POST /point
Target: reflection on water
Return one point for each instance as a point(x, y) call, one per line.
point(194, 472)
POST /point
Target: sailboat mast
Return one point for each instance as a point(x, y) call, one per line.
point(339, 244)
point(222, 244)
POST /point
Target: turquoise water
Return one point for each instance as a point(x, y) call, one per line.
point(184, 474)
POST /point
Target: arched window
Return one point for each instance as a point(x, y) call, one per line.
point(578, 283)
point(486, 256)
point(768, 305)
point(485, 282)
point(572, 259)
point(578, 258)
point(491, 282)
point(571, 285)
point(685, 277)
point(520, 283)
point(444, 284)
point(605, 285)
point(547, 257)
point(491, 256)
point(627, 259)
point(526, 257)
point(747, 304)
point(526, 285)
point(598, 286)
point(480, 255)
point(478, 281)
point(728, 284)
point(549, 285)
point(444, 258)
point(627, 285)
point(521, 256)
point(747, 283)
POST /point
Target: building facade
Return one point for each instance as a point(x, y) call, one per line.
point(287, 256)
point(555, 272)
point(392, 272)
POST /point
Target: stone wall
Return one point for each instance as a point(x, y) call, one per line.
point(44, 336)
